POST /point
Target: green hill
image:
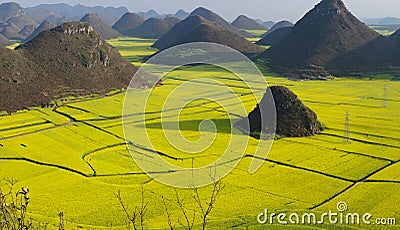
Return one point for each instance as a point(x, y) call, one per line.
point(70, 59)
point(103, 29)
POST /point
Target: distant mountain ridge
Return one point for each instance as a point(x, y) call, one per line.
point(149, 14)
point(268, 24)
point(387, 21)
point(15, 24)
point(181, 14)
point(245, 23)
point(213, 17)
point(73, 13)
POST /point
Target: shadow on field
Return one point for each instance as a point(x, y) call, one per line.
point(220, 125)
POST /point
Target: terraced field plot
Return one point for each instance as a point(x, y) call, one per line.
point(74, 158)
point(142, 48)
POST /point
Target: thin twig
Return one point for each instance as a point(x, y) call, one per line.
point(131, 219)
point(188, 225)
point(171, 226)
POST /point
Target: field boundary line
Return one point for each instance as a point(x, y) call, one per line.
point(85, 155)
point(363, 180)
point(362, 141)
point(333, 197)
point(304, 169)
point(367, 134)
point(44, 164)
point(343, 151)
point(26, 126)
point(382, 181)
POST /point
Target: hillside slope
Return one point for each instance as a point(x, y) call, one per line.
point(102, 28)
point(278, 25)
point(213, 17)
point(275, 36)
point(381, 55)
point(323, 34)
point(199, 29)
point(14, 22)
point(128, 21)
point(4, 41)
point(245, 23)
point(152, 28)
point(71, 59)
point(46, 25)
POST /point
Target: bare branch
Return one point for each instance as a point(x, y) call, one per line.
point(143, 209)
point(205, 211)
point(189, 224)
point(61, 215)
point(131, 218)
point(14, 207)
point(171, 226)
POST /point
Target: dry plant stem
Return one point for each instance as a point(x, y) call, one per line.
point(206, 209)
point(131, 218)
point(62, 226)
point(13, 208)
point(138, 214)
point(189, 224)
point(171, 226)
point(143, 209)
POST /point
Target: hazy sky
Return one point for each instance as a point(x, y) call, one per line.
point(264, 9)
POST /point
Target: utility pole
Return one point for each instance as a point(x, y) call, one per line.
point(192, 167)
point(346, 129)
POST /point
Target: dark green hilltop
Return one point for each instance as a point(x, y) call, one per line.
point(213, 17)
point(329, 40)
point(127, 22)
point(153, 28)
point(245, 23)
point(275, 36)
point(102, 28)
point(278, 25)
point(198, 29)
